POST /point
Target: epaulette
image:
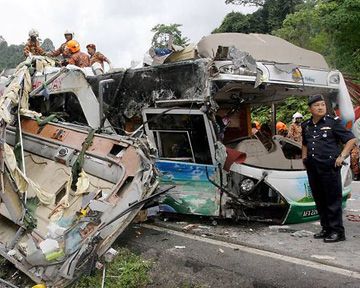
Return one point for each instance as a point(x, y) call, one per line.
point(332, 117)
point(306, 122)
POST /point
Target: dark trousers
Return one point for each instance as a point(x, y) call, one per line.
point(325, 184)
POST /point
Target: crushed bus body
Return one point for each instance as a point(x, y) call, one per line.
point(219, 169)
point(67, 192)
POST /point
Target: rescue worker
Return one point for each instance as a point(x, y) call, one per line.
point(33, 45)
point(323, 159)
point(253, 128)
point(97, 57)
point(77, 57)
point(295, 128)
point(61, 51)
point(281, 128)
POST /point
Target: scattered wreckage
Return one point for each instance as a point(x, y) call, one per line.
point(67, 192)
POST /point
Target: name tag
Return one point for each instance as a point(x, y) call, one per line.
point(325, 128)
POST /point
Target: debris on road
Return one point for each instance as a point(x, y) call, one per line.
point(110, 255)
point(189, 227)
point(323, 257)
point(302, 233)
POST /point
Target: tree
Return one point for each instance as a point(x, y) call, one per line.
point(284, 110)
point(327, 27)
point(162, 33)
point(267, 18)
point(235, 22)
point(246, 2)
point(10, 56)
point(341, 20)
point(304, 28)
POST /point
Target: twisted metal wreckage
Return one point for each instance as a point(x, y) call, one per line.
point(196, 108)
point(66, 193)
point(194, 105)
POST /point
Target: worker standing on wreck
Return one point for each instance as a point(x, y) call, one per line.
point(69, 35)
point(33, 45)
point(77, 57)
point(97, 57)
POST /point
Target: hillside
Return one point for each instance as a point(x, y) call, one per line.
point(12, 55)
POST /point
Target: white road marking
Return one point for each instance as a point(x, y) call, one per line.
point(289, 259)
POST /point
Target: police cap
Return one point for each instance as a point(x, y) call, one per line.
point(315, 98)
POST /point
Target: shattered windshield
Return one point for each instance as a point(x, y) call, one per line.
point(65, 105)
point(181, 135)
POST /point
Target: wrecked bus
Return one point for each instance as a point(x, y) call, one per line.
point(67, 192)
point(219, 168)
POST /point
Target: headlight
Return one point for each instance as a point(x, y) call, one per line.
point(247, 185)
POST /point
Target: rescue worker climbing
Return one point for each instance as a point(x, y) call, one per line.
point(77, 57)
point(61, 51)
point(97, 57)
point(32, 47)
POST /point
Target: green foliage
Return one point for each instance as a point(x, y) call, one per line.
point(341, 20)
point(330, 28)
point(266, 19)
point(10, 56)
point(284, 110)
point(162, 32)
point(304, 28)
point(246, 2)
point(126, 271)
point(235, 22)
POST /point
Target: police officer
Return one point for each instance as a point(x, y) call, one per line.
point(323, 159)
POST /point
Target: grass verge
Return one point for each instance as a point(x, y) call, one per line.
point(126, 270)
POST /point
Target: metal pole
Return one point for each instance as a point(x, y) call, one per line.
point(273, 118)
point(101, 99)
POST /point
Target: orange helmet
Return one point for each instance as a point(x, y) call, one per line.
point(257, 125)
point(73, 46)
point(280, 126)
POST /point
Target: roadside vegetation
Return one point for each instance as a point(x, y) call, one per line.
point(126, 270)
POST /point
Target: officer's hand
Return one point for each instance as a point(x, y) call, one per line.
point(339, 161)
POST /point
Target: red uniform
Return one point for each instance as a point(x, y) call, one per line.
point(79, 59)
point(60, 51)
point(99, 58)
point(33, 48)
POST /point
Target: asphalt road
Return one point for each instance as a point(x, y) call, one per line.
point(185, 260)
point(247, 255)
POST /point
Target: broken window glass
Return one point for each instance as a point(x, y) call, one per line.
point(181, 136)
point(65, 105)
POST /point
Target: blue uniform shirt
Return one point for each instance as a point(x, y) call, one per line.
point(323, 138)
